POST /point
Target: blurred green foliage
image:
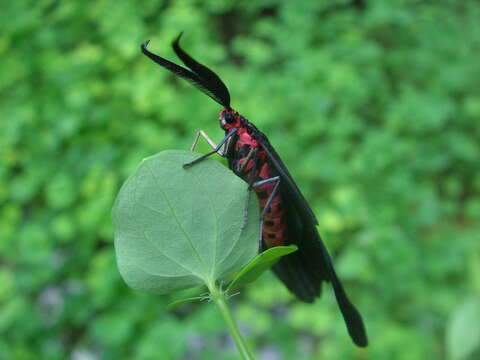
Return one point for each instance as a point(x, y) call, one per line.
point(374, 106)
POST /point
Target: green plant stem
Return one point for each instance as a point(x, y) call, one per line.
point(218, 296)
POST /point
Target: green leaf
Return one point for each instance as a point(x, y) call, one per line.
point(177, 228)
point(180, 302)
point(463, 332)
point(261, 263)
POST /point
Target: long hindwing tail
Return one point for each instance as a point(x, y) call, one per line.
point(353, 319)
point(304, 270)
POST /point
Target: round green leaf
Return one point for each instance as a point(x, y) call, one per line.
point(177, 228)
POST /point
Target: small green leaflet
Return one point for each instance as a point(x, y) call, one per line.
point(261, 263)
point(177, 228)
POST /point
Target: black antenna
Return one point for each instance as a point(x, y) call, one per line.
point(201, 77)
point(208, 76)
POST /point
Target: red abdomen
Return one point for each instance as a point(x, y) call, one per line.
point(274, 223)
point(274, 231)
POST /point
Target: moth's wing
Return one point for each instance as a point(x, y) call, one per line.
point(288, 184)
point(304, 270)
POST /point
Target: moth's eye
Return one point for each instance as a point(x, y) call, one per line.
point(229, 118)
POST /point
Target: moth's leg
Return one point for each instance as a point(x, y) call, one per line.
point(252, 153)
point(276, 180)
point(224, 140)
point(205, 136)
point(266, 208)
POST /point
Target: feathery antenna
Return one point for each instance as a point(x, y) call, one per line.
point(200, 76)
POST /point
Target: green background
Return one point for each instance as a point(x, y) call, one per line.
point(373, 105)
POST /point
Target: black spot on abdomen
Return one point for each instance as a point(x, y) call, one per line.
point(262, 194)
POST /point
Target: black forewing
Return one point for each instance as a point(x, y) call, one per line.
point(301, 203)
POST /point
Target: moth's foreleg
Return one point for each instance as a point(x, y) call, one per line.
point(205, 136)
point(215, 150)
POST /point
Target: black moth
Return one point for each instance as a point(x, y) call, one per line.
point(304, 270)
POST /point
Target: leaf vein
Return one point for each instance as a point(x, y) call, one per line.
point(177, 220)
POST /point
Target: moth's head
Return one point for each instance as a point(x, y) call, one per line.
point(229, 119)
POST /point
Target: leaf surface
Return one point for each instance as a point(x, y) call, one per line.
point(177, 228)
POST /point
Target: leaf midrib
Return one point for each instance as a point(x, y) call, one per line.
point(187, 237)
